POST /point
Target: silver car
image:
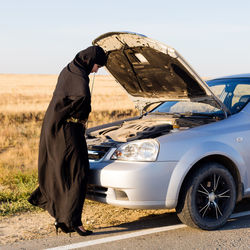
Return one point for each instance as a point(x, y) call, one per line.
point(190, 147)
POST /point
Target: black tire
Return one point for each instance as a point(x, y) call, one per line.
point(209, 197)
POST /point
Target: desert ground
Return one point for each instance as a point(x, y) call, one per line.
point(23, 101)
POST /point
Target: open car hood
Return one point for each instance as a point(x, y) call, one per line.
point(151, 71)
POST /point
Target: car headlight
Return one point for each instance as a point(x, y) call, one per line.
point(141, 150)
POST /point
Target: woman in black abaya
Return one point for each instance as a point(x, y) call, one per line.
point(63, 158)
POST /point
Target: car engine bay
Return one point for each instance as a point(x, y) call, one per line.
point(147, 126)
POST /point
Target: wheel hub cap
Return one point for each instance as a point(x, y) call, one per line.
point(211, 197)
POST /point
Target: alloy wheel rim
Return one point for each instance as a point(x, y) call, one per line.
point(213, 197)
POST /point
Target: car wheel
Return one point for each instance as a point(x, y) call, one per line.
point(209, 197)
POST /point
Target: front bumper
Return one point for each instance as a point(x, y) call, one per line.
point(140, 185)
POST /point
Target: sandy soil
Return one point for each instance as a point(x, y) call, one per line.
point(34, 225)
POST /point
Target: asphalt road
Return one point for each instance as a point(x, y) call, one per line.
point(155, 232)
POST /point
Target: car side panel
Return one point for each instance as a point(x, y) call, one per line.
point(191, 157)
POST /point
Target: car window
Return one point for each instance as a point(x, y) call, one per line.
point(233, 92)
point(218, 90)
point(241, 93)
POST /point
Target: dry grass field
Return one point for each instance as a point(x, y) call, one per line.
point(32, 93)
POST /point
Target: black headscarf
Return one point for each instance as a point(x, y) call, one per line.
point(85, 60)
point(74, 80)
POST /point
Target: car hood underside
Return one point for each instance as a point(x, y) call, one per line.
point(151, 71)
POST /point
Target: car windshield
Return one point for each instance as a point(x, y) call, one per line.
point(184, 107)
point(233, 92)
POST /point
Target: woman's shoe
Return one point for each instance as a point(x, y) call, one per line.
point(63, 227)
point(81, 232)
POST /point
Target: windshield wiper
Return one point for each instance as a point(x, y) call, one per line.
point(184, 114)
point(200, 114)
point(165, 113)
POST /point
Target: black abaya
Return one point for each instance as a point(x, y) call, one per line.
point(63, 158)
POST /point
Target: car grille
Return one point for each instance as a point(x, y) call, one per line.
point(96, 153)
point(96, 191)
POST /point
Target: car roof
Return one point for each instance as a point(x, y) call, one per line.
point(247, 75)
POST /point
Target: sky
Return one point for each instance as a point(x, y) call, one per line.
point(42, 36)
